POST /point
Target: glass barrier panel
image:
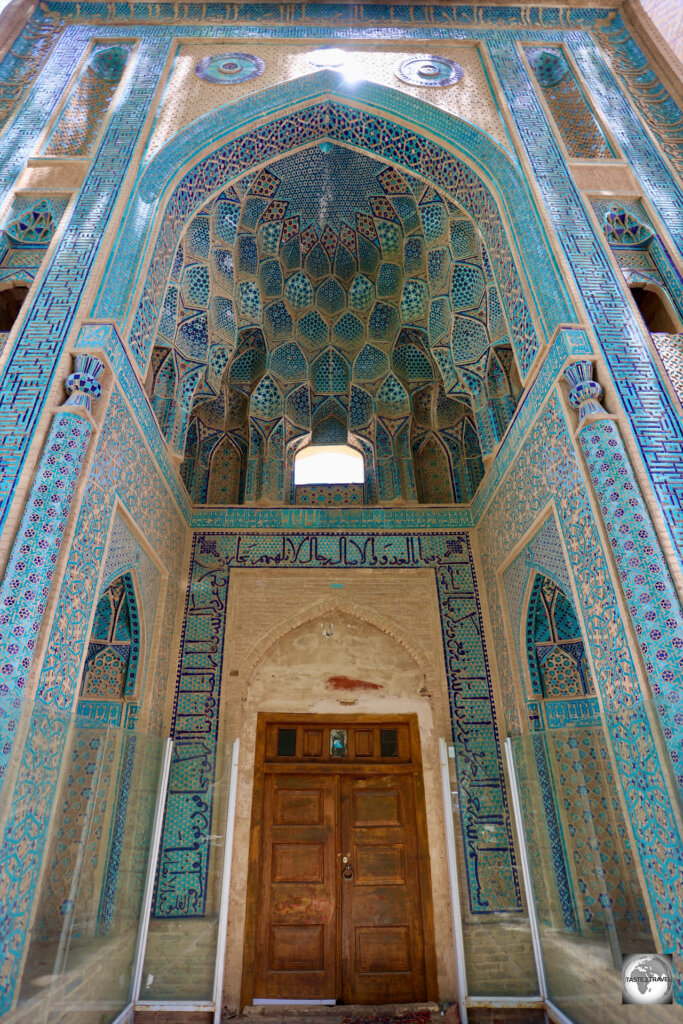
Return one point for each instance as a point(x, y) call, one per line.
point(77, 812)
point(499, 956)
point(587, 887)
point(180, 957)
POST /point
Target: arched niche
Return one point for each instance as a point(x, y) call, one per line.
point(557, 661)
point(466, 164)
point(656, 308)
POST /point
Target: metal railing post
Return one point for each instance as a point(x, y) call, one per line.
point(225, 884)
point(141, 944)
point(453, 877)
point(526, 874)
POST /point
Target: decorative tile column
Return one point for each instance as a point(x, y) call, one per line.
point(26, 584)
point(653, 603)
point(23, 598)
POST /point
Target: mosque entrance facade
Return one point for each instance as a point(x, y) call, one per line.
point(339, 896)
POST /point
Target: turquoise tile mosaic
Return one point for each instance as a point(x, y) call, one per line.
point(535, 473)
point(182, 879)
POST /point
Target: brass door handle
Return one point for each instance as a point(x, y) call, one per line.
point(347, 870)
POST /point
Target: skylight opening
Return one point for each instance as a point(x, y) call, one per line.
point(329, 464)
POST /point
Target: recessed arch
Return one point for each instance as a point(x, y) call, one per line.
point(322, 609)
point(460, 159)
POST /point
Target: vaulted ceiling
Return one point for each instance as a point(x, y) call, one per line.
point(326, 290)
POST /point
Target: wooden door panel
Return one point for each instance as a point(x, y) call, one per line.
point(298, 806)
point(297, 947)
point(298, 862)
point(382, 938)
point(297, 909)
point(379, 863)
point(312, 934)
point(381, 949)
point(376, 808)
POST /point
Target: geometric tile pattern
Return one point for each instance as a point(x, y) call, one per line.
point(575, 121)
point(26, 58)
point(658, 428)
point(26, 584)
point(545, 472)
point(122, 467)
point(349, 309)
point(183, 868)
point(87, 108)
point(338, 122)
point(652, 599)
point(30, 367)
point(557, 659)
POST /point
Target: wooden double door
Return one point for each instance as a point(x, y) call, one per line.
point(339, 900)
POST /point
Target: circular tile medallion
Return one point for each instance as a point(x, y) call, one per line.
point(228, 68)
point(429, 71)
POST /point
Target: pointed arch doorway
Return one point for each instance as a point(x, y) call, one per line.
point(339, 904)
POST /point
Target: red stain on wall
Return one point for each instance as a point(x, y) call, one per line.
point(346, 683)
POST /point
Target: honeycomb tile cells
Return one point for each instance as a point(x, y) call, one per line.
point(411, 363)
point(463, 239)
point(299, 291)
point(277, 321)
point(218, 360)
point(253, 208)
point(328, 302)
point(249, 301)
point(444, 359)
point(414, 255)
point(344, 264)
point(348, 331)
point(414, 301)
point(177, 265)
point(370, 364)
point(247, 366)
point(198, 238)
point(470, 339)
point(266, 401)
point(247, 254)
point(384, 322)
point(440, 316)
point(222, 318)
point(389, 281)
point(192, 337)
point(169, 312)
point(438, 266)
point(361, 293)
point(434, 223)
point(317, 263)
point(361, 408)
point(312, 328)
point(406, 209)
point(222, 269)
point(270, 278)
point(467, 286)
point(269, 237)
point(390, 238)
point(195, 286)
point(330, 374)
point(298, 406)
point(391, 400)
point(289, 363)
point(330, 297)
